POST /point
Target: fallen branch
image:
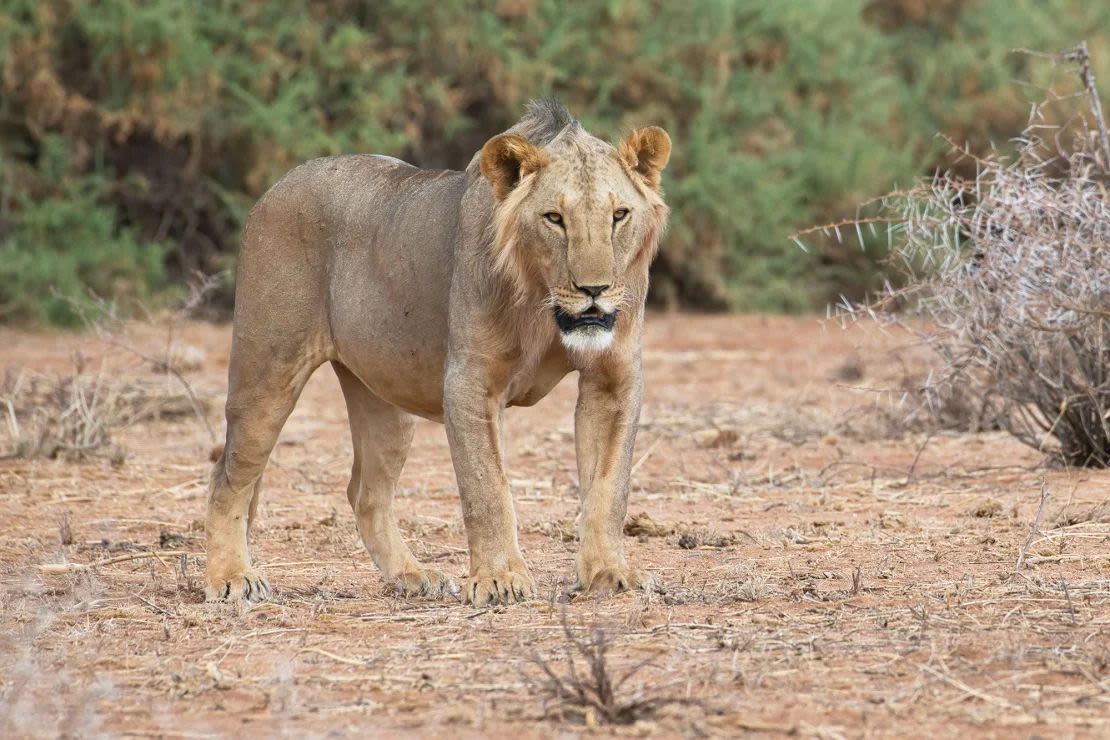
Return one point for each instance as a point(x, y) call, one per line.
point(62, 568)
point(1067, 558)
point(968, 690)
point(645, 456)
point(360, 662)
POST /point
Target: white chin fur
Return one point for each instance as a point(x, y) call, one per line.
point(587, 340)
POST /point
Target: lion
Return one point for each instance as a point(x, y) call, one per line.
point(448, 295)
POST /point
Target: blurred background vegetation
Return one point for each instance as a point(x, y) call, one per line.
point(135, 134)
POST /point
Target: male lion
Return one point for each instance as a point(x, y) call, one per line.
point(448, 295)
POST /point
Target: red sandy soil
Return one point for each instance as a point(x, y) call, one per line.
point(829, 569)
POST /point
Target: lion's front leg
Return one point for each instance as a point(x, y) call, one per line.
point(472, 414)
point(605, 432)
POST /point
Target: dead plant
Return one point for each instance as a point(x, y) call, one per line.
point(1011, 272)
point(74, 416)
point(588, 687)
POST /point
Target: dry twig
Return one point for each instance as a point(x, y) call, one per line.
point(54, 569)
point(1035, 529)
point(1082, 57)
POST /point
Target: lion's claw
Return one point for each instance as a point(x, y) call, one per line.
point(615, 579)
point(503, 587)
point(248, 586)
point(424, 582)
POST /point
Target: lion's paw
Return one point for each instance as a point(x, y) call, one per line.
point(615, 579)
point(424, 582)
point(500, 587)
point(247, 586)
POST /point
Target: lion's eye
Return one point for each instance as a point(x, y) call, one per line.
point(620, 214)
point(553, 217)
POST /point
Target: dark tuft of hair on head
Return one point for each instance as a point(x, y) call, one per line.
point(543, 120)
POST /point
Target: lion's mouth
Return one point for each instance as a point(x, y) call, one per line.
point(592, 316)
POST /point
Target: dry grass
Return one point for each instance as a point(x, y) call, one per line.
point(75, 415)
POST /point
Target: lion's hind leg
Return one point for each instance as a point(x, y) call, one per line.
point(261, 396)
point(381, 434)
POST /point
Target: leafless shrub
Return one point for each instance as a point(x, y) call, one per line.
point(1011, 271)
point(753, 588)
point(175, 358)
point(910, 405)
point(588, 687)
point(201, 287)
point(74, 416)
point(957, 408)
point(65, 530)
point(1069, 517)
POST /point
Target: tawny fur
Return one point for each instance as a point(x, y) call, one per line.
point(433, 293)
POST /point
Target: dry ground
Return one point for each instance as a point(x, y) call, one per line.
point(826, 571)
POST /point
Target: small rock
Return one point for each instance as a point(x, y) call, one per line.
point(183, 358)
point(688, 541)
point(171, 540)
point(891, 520)
point(987, 509)
point(713, 438)
point(643, 525)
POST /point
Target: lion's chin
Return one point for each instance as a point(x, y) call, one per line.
point(588, 332)
point(587, 340)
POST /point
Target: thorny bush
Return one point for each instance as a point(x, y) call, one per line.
point(1011, 271)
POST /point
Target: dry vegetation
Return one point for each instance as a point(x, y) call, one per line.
point(74, 415)
point(828, 571)
point(1010, 268)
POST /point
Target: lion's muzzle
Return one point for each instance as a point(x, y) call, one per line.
point(591, 317)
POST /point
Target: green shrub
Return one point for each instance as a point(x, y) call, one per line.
point(66, 252)
point(783, 114)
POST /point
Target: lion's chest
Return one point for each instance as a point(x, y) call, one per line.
point(527, 388)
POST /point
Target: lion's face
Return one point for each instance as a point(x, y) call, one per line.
point(579, 221)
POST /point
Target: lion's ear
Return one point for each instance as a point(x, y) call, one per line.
point(508, 158)
point(646, 151)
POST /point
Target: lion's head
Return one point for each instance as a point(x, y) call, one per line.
point(578, 222)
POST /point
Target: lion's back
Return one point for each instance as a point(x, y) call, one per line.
point(347, 201)
point(338, 241)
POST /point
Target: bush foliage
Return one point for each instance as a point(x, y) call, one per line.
point(135, 134)
point(1010, 267)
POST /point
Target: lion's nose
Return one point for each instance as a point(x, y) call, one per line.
point(593, 291)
